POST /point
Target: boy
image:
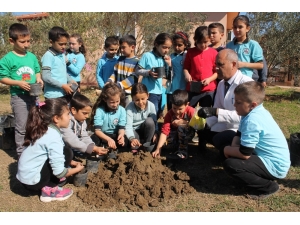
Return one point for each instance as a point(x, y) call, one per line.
point(259, 153)
point(105, 67)
point(124, 74)
point(76, 136)
point(18, 69)
point(176, 127)
point(54, 69)
point(216, 33)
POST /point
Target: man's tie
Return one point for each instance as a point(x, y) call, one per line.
point(227, 85)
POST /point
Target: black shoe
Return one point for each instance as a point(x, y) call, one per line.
point(262, 196)
point(202, 146)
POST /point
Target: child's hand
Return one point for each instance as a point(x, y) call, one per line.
point(206, 81)
point(168, 60)
point(24, 85)
point(111, 143)
point(154, 75)
point(188, 78)
point(74, 163)
point(135, 143)
point(79, 167)
point(100, 150)
point(179, 122)
point(121, 139)
point(156, 153)
point(40, 81)
point(67, 89)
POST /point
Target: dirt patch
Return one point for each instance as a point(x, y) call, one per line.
point(136, 181)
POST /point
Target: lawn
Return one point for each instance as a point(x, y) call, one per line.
point(214, 191)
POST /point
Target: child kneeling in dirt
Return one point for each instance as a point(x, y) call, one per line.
point(176, 128)
point(259, 153)
point(75, 135)
point(109, 118)
point(141, 118)
point(42, 164)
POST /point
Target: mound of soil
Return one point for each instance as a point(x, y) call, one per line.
point(134, 180)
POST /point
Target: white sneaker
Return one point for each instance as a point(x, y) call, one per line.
point(195, 139)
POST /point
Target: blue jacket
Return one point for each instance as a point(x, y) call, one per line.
point(105, 68)
point(77, 62)
point(49, 146)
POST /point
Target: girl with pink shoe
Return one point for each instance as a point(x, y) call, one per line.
point(42, 164)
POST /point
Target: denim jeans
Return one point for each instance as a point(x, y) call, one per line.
point(156, 100)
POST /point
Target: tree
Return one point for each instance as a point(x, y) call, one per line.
point(277, 33)
point(96, 26)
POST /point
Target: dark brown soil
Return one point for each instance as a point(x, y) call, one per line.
point(134, 181)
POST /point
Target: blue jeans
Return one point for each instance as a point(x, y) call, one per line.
point(156, 100)
point(21, 105)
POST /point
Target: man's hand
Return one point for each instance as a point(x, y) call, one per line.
point(205, 112)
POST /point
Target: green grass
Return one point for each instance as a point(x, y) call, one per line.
point(285, 108)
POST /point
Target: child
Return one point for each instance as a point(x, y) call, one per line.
point(42, 164)
point(54, 69)
point(259, 153)
point(124, 74)
point(18, 69)
point(156, 58)
point(109, 118)
point(75, 59)
point(176, 127)
point(141, 117)
point(216, 33)
point(75, 135)
point(180, 45)
point(105, 67)
point(249, 51)
point(200, 70)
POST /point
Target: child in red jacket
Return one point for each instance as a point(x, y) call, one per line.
point(176, 126)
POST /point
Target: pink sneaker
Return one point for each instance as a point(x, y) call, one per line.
point(56, 193)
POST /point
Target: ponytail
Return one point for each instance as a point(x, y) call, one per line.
point(40, 116)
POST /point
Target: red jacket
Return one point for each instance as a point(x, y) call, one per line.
point(170, 117)
point(201, 65)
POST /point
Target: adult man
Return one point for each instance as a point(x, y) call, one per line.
point(222, 120)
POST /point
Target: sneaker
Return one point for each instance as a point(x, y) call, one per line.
point(62, 182)
point(195, 139)
point(56, 193)
point(179, 155)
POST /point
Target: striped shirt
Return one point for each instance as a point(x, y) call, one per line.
point(124, 74)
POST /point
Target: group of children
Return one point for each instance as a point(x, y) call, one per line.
point(126, 112)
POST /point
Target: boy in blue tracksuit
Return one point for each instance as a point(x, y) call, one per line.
point(105, 66)
point(54, 69)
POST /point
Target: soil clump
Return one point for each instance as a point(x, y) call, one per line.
point(134, 181)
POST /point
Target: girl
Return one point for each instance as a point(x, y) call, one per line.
point(156, 58)
point(42, 164)
point(109, 118)
point(141, 117)
point(180, 45)
point(249, 51)
point(75, 58)
point(200, 71)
